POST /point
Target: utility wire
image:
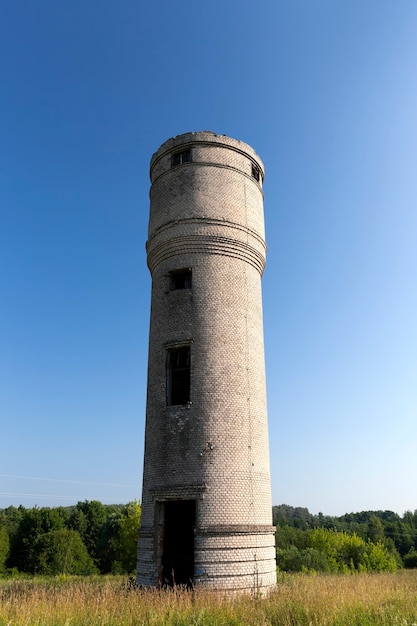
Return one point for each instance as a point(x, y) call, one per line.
point(61, 480)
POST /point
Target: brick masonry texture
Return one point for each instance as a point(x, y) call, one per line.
point(207, 215)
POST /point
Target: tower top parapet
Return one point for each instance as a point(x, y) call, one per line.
point(205, 137)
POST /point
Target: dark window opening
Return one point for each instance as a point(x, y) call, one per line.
point(178, 376)
point(181, 157)
point(180, 279)
point(178, 542)
point(256, 173)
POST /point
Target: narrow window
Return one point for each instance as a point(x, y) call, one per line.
point(255, 173)
point(178, 376)
point(181, 157)
point(180, 279)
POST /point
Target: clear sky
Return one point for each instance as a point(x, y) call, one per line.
point(326, 93)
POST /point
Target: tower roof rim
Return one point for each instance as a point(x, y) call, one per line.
point(205, 136)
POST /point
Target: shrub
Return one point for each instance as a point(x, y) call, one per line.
point(350, 553)
point(309, 560)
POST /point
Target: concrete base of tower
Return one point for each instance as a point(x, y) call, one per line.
point(235, 558)
point(146, 570)
point(232, 559)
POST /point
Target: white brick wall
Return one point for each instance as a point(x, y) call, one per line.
point(208, 215)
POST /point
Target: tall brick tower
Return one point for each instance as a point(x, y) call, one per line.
point(206, 504)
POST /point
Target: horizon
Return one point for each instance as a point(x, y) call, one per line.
point(282, 504)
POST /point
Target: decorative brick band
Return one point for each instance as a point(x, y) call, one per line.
point(177, 492)
point(204, 244)
point(218, 165)
point(206, 236)
point(146, 531)
point(205, 223)
point(236, 529)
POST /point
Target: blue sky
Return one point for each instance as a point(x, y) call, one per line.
point(326, 93)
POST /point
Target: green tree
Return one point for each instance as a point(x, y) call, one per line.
point(106, 544)
point(127, 538)
point(378, 559)
point(402, 535)
point(33, 523)
point(286, 536)
point(13, 517)
point(4, 543)
point(88, 518)
point(326, 541)
point(298, 517)
point(375, 529)
point(22, 545)
point(410, 559)
point(292, 559)
point(117, 543)
point(289, 559)
point(314, 561)
point(62, 552)
point(350, 553)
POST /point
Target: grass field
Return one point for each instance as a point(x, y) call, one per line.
point(305, 600)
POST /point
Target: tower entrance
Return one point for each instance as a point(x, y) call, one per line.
point(177, 558)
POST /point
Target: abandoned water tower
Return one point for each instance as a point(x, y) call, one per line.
point(206, 503)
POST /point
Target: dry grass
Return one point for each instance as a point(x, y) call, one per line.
point(299, 600)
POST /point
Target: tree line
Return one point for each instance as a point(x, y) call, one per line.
point(365, 541)
point(84, 539)
point(94, 538)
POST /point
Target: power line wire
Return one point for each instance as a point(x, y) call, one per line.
point(61, 480)
point(52, 497)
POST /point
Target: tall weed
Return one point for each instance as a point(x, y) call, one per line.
point(388, 599)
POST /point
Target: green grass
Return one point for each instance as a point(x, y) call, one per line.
point(299, 600)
